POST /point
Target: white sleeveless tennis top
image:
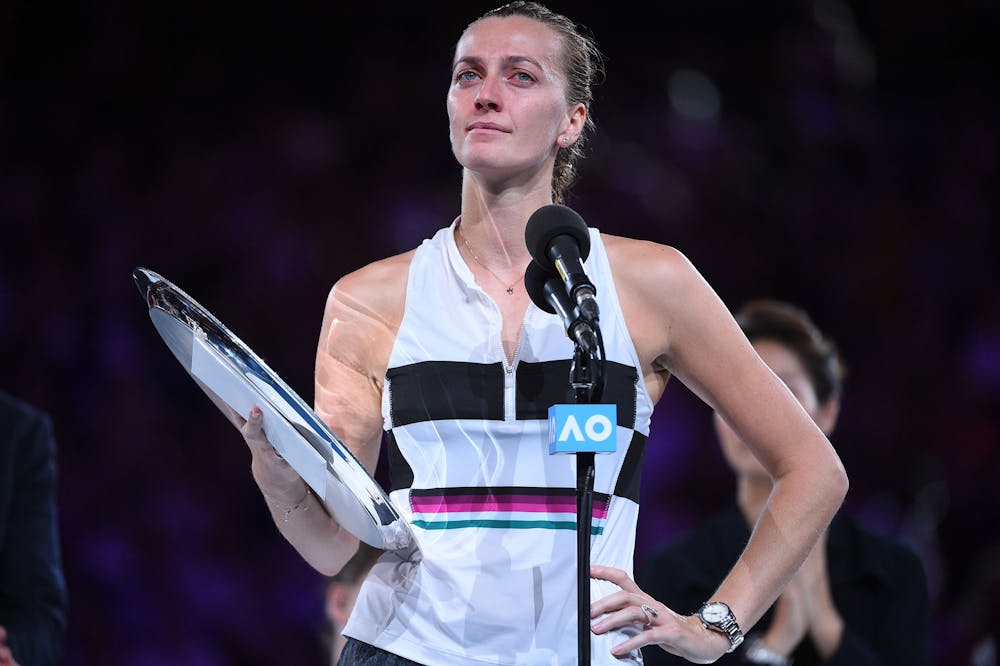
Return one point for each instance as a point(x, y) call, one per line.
point(494, 515)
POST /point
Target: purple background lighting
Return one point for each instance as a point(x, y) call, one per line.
point(839, 155)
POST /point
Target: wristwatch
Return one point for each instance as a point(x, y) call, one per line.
point(717, 616)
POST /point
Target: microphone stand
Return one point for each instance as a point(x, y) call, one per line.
point(587, 381)
point(586, 378)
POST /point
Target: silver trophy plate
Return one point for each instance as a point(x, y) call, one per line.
point(236, 379)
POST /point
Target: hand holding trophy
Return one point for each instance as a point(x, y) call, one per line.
point(241, 385)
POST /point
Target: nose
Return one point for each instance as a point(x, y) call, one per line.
point(488, 96)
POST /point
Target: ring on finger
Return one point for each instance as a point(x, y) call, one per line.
point(650, 613)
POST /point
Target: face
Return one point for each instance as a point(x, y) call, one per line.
point(786, 365)
point(507, 107)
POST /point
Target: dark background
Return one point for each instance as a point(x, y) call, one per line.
point(253, 155)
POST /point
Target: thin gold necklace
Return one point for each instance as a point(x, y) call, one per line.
point(508, 287)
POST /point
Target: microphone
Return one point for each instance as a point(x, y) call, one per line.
point(547, 292)
point(558, 239)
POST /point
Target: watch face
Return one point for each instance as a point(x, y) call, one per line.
point(715, 612)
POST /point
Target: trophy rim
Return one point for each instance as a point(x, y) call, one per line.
point(390, 529)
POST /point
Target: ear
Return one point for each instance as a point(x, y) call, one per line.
point(827, 416)
point(572, 126)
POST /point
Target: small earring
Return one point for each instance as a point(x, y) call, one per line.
point(565, 140)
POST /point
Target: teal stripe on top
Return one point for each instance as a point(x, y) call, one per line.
point(509, 524)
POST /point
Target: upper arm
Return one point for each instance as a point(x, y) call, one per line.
point(684, 327)
point(362, 315)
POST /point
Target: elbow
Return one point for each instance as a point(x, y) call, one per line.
point(331, 559)
point(328, 566)
point(328, 569)
point(838, 484)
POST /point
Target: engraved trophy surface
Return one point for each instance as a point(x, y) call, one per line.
point(236, 379)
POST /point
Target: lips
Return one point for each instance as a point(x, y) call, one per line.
point(481, 125)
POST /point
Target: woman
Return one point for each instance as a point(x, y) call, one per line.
point(462, 396)
point(859, 599)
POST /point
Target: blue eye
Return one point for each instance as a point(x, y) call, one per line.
point(524, 77)
point(466, 75)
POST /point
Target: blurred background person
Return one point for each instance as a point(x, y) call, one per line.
point(341, 593)
point(32, 589)
point(860, 598)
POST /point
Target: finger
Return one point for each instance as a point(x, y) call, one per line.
point(617, 601)
point(667, 632)
point(627, 617)
point(642, 639)
point(253, 432)
point(616, 576)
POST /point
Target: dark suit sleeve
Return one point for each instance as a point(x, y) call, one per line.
point(659, 580)
point(902, 637)
point(32, 590)
point(675, 577)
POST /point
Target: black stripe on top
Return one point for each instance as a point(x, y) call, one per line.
point(541, 385)
point(449, 390)
point(630, 475)
point(400, 472)
point(445, 390)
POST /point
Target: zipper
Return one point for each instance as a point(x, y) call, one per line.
point(387, 389)
point(510, 369)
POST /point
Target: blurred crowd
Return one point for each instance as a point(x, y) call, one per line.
point(838, 155)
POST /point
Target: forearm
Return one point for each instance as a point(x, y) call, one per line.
point(801, 505)
point(310, 529)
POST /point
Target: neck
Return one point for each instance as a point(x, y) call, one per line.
point(494, 218)
point(752, 493)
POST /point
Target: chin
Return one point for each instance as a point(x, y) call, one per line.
point(488, 165)
point(483, 155)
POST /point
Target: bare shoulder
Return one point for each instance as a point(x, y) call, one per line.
point(376, 291)
point(652, 279)
point(362, 316)
point(664, 299)
point(363, 313)
point(640, 263)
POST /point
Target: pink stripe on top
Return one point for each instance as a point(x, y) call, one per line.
point(533, 503)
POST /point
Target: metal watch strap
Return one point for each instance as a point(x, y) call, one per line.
point(732, 631)
point(727, 626)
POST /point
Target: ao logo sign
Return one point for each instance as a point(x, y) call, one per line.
point(598, 429)
point(582, 428)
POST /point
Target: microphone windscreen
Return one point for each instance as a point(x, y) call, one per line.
point(551, 221)
point(535, 278)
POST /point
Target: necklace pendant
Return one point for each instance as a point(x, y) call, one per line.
point(510, 290)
